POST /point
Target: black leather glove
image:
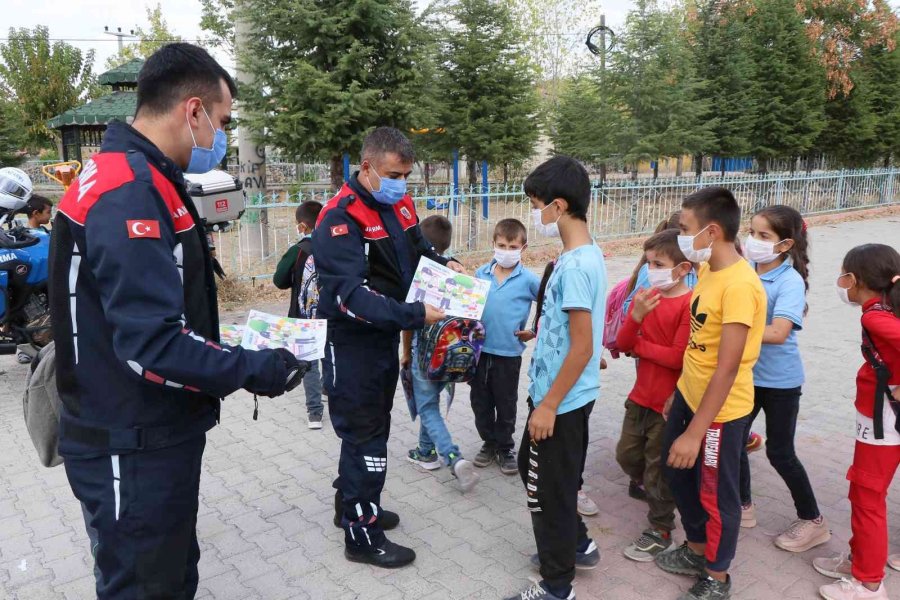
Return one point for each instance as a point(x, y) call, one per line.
point(296, 369)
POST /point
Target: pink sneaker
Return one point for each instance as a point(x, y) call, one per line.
point(851, 589)
point(748, 516)
point(894, 562)
point(803, 535)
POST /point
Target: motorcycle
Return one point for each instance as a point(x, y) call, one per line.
point(24, 301)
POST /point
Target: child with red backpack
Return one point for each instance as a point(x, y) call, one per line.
point(435, 440)
point(870, 279)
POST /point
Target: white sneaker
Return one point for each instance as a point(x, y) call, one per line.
point(836, 567)
point(586, 506)
point(894, 562)
point(803, 535)
point(465, 473)
point(315, 422)
point(851, 589)
point(748, 517)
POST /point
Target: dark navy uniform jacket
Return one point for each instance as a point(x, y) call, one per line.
point(133, 303)
point(366, 256)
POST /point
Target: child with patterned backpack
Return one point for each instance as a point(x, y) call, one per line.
point(435, 440)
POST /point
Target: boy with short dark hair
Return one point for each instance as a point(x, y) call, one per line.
point(39, 210)
point(656, 332)
point(297, 271)
point(565, 378)
point(708, 415)
point(435, 440)
point(495, 388)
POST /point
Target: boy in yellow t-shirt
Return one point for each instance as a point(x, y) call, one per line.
point(710, 408)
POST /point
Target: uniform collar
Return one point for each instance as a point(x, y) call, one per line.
point(121, 137)
point(363, 194)
point(777, 272)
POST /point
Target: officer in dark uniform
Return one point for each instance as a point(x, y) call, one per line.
point(139, 368)
point(367, 245)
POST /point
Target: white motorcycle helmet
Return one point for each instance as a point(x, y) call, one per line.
point(15, 188)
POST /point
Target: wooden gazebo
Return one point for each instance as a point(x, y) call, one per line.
point(82, 127)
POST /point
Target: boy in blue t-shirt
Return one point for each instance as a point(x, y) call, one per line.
point(565, 378)
point(495, 388)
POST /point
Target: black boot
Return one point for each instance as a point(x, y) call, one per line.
point(389, 556)
point(389, 520)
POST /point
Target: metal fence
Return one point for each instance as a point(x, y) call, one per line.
point(619, 210)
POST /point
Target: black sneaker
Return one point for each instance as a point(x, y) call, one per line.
point(389, 520)
point(485, 456)
point(507, 461)
point(389, 556)
point(539, 592)
point(636, 490)
point(708, 588)
point(682, 561)
point(584, 561)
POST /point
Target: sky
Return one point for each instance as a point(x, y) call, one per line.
point(85, 19)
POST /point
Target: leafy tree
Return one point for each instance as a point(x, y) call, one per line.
point(12, 134)
point(43, 78)
point(490, 105)
point(217, 18)
point(149, 40)
point(327, 71)
point(788, 84)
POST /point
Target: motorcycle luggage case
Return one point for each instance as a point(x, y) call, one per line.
point(219, 197)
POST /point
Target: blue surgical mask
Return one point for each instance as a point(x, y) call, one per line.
point(204, 160)
point(391, 192)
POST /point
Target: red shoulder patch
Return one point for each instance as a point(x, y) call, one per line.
point(339, 230)
point(342, 193)
point(104, 172)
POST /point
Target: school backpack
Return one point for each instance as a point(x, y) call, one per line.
point(882, 377)
point(449, 350)
point(615, 316)
point(308, 302)
point(41, 405)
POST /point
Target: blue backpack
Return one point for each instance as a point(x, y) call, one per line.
point(450, 350)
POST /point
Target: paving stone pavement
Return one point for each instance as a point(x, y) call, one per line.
point(266, 499)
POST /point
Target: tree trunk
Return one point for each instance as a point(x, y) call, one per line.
point(763, 166)
point(337, 172)
point(472, 168)
point(634, 172)
point(679, 166)
point(427, 175)
point(698, 165)
point(887, 161)
point(656, 169)
point(603, 171)
point(505, 173)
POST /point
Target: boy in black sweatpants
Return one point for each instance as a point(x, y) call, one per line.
point(565, 379)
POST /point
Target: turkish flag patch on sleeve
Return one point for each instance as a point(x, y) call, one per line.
point(143, 229)
point(339, 230)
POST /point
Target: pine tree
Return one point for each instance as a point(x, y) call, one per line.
point(881, 64)
point(722, 61)
point(328, 71)
point(589, 124)
point(788, 84)
point(849, 135)
point(490, 110)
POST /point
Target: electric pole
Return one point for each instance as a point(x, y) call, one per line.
point(119, 34)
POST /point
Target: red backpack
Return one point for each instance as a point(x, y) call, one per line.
point(615, 316)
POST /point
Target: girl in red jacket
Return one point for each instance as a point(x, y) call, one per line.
point(870, 279)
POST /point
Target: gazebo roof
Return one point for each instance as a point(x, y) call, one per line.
point(117, 106)
point(124, 74)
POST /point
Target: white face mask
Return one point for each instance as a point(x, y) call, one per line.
point(507, 258)
point(844, 293)
point(548, 229)
point(760, 252)
point(661, 279)
point(686, 243)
